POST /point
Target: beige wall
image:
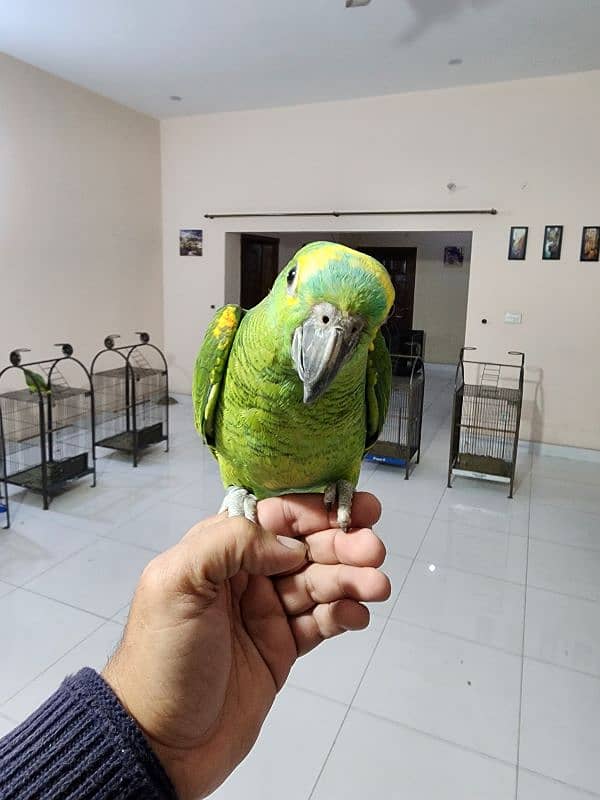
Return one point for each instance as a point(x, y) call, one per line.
point(528, 148)
point(80, 229)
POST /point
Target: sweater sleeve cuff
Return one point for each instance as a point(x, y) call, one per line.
point(81, 743)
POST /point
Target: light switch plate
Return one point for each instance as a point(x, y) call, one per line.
point(513, 317)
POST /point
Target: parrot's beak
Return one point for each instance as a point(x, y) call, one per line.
point(322, 345)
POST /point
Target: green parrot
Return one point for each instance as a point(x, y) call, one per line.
point(290, 394)
point(36, 382)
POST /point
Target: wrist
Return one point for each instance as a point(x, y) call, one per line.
point(184, 767)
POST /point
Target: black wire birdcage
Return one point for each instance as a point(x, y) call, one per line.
point(46, 425)
point(486, 415)
point(399, 442)
point(131, 396)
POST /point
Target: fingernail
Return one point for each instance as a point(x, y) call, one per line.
point(291, 544)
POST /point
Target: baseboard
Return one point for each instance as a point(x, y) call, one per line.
point(560, 451)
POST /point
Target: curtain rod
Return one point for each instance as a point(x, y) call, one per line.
point(491, 211)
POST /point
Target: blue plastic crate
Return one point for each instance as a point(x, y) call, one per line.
point(395, 462)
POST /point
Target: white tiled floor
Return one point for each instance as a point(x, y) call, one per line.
point(479, 678)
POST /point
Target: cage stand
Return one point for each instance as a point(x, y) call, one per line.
point(133, 439)
point(486, 418)
point(48, 475)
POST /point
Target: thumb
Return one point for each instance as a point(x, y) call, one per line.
point(214, 553)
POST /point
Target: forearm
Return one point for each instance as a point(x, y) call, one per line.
point(81, 744)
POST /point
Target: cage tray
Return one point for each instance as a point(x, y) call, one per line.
point(139, 372)
point(58, 473)
point(391, 460)
point(126, 440)
point(58, 393)
point(389, 453)
point(486, 465)
point(485, 392)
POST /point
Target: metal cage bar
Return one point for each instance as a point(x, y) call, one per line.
point(486, 417)
point(4, 501)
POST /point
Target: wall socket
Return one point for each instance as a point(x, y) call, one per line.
point(513, 318)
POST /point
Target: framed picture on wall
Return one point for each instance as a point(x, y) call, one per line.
point(454, 256)
point(590, 243)
point(553, 237)
point(517, 246)
point(190, 242)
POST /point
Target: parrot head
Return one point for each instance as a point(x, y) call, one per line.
point(330, 302)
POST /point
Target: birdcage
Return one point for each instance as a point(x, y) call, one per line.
point(486, 416)
point(131, 391)
point(399, 443)
point(46, 424)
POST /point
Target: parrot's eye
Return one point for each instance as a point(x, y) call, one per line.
point(291, 280)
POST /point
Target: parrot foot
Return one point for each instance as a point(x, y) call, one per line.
point(343, 491)
point(239, 502)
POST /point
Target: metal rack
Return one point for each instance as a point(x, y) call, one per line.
point(399, 443)
point(131, 396)
point(486, 416)
point(47, 428)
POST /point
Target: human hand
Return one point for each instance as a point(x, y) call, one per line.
point(211, 638)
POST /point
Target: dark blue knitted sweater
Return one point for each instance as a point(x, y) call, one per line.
point(81, 745)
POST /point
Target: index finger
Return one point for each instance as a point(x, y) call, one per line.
point(302, 514)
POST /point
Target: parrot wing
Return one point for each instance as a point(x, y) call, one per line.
point(378, 388)
point(210, 368)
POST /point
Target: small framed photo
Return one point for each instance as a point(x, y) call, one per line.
point(517, 247)
point(190, 242)
point(454, 256)
point(590, 243)
point(553, 237)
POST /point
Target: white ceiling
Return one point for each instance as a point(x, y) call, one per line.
point(220, 55)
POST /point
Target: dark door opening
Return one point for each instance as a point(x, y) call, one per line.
point(401, 263)
point(259, 268)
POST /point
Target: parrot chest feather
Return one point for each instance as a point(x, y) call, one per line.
point(270, 441)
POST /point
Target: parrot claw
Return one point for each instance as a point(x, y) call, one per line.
point(343, 491)
point(239, 502)
point(330, 496)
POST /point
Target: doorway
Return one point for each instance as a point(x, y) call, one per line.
point(401, 263)
point(259, 260)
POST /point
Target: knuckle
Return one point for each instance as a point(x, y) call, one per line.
point(241, 528)
point(154, 573)
point(309, 585)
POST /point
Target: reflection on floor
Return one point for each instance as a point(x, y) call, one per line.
point(483, 668)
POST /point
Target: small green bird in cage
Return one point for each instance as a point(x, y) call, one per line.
point(290, 394)
point(36, 382)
